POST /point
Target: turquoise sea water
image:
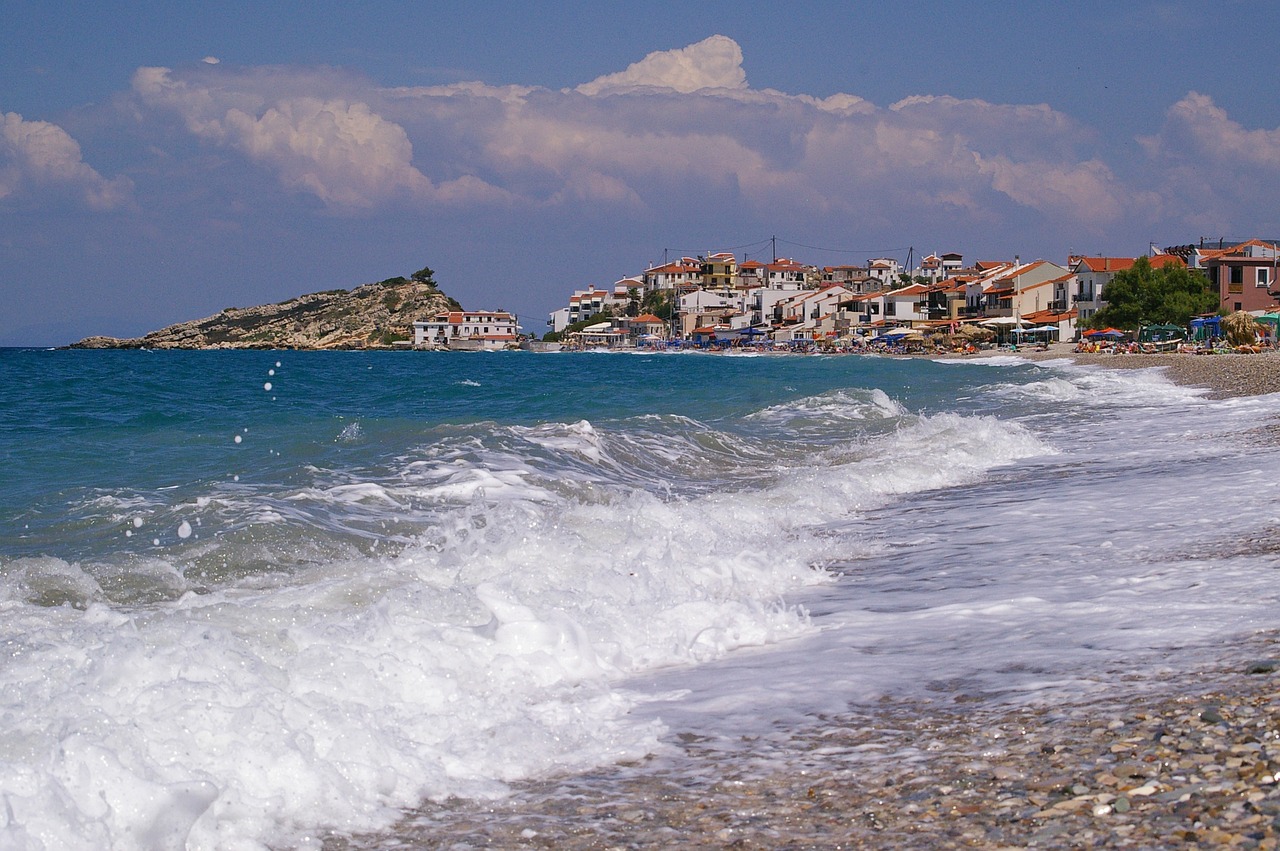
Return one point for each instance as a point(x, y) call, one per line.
point(249, 596)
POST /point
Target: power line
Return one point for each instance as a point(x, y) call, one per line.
point(695, 251)
point(844, 250)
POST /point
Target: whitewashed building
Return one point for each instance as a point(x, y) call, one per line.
point(467, 329)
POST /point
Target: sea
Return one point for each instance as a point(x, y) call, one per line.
point(255, 599)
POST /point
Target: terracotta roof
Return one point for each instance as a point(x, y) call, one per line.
point(1212, 253)
point(1042, 316)
point(1107, 264)
point(912, 289)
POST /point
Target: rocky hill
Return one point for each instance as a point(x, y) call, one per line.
point(372, 316)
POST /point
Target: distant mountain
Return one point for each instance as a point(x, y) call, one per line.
point(372, 316)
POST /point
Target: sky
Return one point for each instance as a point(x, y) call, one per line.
point(160, 162)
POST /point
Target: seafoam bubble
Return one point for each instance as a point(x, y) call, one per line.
point(137, 522)
point(266, 386)
point(238, 438)
point(184, 530)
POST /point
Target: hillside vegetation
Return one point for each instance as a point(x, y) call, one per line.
point(372, 316)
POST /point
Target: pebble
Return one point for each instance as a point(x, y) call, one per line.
point(1223, 375)
point(923, 775)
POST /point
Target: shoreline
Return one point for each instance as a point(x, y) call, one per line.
point(1223, 375)
point(1179, 753)
point(1170, 756)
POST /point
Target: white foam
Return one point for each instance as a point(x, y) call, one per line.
point(495, 646)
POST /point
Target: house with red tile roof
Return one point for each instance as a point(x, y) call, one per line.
point(1244, 275)
point(1092, 274)
point(907, 305)
point(885, 270)
point(467, 329)
point(684, 274)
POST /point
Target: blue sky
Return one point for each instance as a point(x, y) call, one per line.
point(160, 163)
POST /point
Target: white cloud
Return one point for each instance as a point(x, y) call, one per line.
point(37, 154)
point(676, 128)
point(713, 63)
point(1218, 175)
point(341, 151)
point(1197, 126)
point(1083, 192)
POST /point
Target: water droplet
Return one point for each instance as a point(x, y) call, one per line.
point(238, 438)
point(137, 522)
point(267, 386)
point(184, 530)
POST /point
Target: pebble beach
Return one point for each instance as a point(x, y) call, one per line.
point(1184, 757)
point(1222, 374)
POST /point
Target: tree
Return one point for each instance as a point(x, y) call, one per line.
point(1145, 295)
point(425, 275)
point(660, 303)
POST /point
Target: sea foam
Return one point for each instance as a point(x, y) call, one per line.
point(540, 569)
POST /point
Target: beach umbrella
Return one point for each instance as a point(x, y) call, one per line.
point(1109, 333)
point(1241, 328)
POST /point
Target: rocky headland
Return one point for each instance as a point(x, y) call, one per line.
point(372, 316)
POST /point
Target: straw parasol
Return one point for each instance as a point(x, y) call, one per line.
point(1241, 328)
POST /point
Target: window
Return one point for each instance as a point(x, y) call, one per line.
point(1262, 276)
point(1235, 279)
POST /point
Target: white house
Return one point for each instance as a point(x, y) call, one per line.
point(467, 329)
point(906, 305)
point(702, 308)
point(885, 270)
point(684, 274)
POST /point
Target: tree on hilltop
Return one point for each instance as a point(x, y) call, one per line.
point(425, 275)
point(1145, 295)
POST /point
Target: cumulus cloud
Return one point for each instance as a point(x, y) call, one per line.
point(1222, 174)
point(1196, 126)
point(37, 154)
point(341, 151)
point(1079, 192)
point(713, 63)
point(674, 128)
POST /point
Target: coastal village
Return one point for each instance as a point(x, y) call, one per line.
point(715, 301)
